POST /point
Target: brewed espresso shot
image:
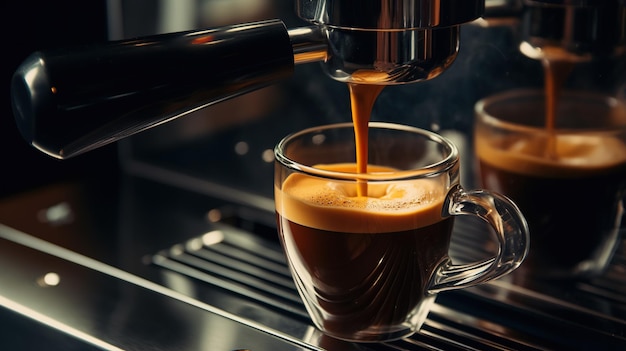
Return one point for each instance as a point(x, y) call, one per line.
point(368, 246)
point(569, 181)
point(370, 254)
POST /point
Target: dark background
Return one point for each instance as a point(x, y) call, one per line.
point(31, 25)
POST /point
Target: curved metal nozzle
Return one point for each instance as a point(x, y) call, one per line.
point(309, 44)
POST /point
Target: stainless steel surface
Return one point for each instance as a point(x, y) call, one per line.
point(309, 44)
point(390, 57)
point(501, 315)
point(165, 268)
point(389, 15)
point(389, 42)
point(104, 307)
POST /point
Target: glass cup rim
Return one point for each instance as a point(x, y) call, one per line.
point(431, 170)
point(481, 111)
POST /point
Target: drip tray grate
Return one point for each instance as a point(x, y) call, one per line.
point(252, 271)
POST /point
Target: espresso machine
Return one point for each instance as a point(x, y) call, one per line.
point(128, 86)
point(185, 255)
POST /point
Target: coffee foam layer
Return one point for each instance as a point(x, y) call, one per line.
point(335, 205)
point(576, 155)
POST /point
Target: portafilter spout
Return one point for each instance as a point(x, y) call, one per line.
point(69, 101)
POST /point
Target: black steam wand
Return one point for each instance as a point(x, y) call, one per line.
point(67, 102)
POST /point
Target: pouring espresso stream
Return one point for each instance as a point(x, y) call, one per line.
point(555, 73)
point(362, 99)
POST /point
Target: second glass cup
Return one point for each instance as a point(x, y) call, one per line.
point(369, 251)
point(569, 180)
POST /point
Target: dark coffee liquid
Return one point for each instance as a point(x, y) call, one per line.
point(570, 198)
point(568, 186)
point(364, 280)
point(569, 217)
point(364, 260)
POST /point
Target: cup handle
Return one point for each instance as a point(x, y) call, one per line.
point(511, 230)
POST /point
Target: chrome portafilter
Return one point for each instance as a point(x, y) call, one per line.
point(389, 42)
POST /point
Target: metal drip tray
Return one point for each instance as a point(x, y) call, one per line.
point(149, 271)
point(501, 315)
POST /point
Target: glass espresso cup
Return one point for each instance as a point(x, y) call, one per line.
point(369, 251)
point(569, 181)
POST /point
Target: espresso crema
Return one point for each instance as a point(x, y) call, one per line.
point(573, 155)
point(337, 206)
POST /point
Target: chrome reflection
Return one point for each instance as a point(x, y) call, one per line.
point(49, 279)
point(56, 215)
point(212, 238)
